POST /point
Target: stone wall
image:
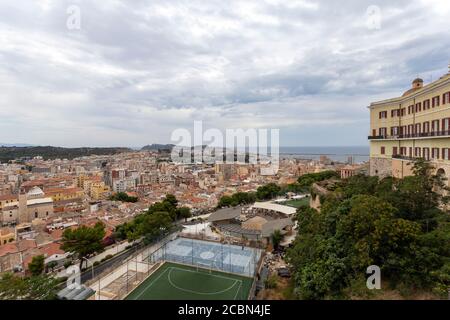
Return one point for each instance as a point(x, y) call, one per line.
point(402, 168)
point(381, 167)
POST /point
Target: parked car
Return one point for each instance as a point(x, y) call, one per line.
point(284, 272)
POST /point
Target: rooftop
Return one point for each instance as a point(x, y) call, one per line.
point(275, 207)
point(225, 214)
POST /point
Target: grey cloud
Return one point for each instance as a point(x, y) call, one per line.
point(138, 70)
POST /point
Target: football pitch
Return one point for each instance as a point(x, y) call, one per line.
point(180, 282)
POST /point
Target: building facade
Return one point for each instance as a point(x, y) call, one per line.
point(415, 125)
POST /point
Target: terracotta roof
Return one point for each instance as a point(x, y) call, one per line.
point(26, 244)
point(6, 230)
point(57, 234)
point(8, 197)
point(50, 249)
point(50, 191)
point(8, 248)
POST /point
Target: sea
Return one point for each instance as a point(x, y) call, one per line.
point(359, 154)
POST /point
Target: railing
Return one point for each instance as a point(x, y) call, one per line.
point(444, 133)
point(401, 157)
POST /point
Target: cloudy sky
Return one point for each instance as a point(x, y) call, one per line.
point(136, 70)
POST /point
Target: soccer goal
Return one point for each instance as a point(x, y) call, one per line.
point(204, 267)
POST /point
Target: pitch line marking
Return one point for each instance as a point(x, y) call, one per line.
point(197, 292)
point(150, 284)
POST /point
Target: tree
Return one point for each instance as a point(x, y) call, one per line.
point(42, 288)
point(123, 197)
point(172, 200)
point(184, 213)
point(276, 238)
point(393, 223)
point(155, 225)
point(225, 201)
point(267, 192)
point(236, 199)
point(39, 287)
point(84, 241)
point(12, 287)
point(373, 231)
point(36, 266)
point(51, 265)
point(308, 179)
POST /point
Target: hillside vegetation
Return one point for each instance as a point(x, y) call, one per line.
point(12, 153)
point(392, 223)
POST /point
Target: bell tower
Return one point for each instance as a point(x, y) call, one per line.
point(23, 208)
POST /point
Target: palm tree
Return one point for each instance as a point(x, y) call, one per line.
point(276, 238)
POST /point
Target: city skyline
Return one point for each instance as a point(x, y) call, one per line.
point(131, 75)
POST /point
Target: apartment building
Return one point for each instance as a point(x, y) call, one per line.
point(63, 194)
point(415, 125)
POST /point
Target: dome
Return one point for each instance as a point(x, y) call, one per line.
point(35, 192)
point(417, 80)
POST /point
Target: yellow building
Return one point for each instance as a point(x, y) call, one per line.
point(415, 125)
point(62, 194)
point(6, 200)
point(80, 180)
point(7, 235)
point(99, 190)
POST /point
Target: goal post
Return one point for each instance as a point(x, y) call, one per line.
point(204, 267)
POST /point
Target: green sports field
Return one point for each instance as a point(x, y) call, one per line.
point(179, 282)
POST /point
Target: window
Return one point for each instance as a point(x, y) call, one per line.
point(418, 126)
point(446, 125)
point(410, 109)
point(446, 153)
point(382, 115)
point(446, 98)
point(435, 126)
point(403, 151)
point(403, 130)
point(426, 153)
point(426, 104)
point(410, 152)
point(426, 127)
point(395, 113)
point(411, 129)
point(435, 153)
point(394, 131)
point(435, 101)
point(35, 214)
point(418, 107)
point(417, 152)
point(383, 150)
point(394, 151)
point(383, 132)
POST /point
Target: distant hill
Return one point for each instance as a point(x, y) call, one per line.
point(15, 145)
point(12, 153)
point(158, 147)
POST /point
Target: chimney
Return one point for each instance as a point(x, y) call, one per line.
point(417, 83)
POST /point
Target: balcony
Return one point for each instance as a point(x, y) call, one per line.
point(402, 157)
point(434, 134)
